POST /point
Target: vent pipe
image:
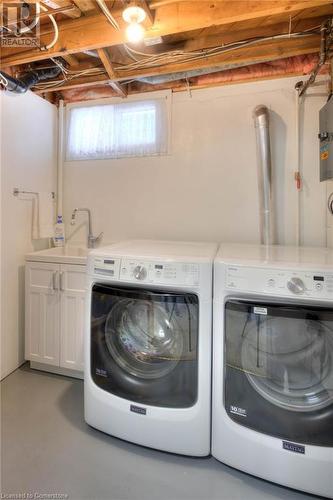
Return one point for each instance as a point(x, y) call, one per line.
point(261, 123)
point(23, 84)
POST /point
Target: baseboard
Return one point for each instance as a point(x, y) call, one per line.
point(56, 369)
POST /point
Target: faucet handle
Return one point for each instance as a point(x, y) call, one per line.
point(94, 240)
point(99, 237)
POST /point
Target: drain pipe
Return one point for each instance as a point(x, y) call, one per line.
point(23, 84)
point(60, 160)
point(261, 123)
point(298, 175)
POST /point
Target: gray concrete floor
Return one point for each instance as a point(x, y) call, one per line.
point(47, 448)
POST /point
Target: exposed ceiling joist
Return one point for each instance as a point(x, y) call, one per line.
point(107, 63)
point(93, 32)
point(85, 5)
point(294, 66)
point(71, 60)
point(150, 15)
point(74, 12)
point(266, 51)
point(238, 58)
point(230, 36)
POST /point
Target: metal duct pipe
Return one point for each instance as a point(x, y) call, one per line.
point(261, 123)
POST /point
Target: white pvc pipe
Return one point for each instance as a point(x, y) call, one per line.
point(297, 168)
point(60, 166)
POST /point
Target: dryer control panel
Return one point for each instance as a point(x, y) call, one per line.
point(144, 271)
point(287, 282)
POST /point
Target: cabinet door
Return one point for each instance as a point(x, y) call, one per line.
point(72, 293)
point(42, 313)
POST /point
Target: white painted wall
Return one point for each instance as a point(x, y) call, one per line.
point(206, 189)
point(28, 159)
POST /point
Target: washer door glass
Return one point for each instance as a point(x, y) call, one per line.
point(279, 369)
point(144, 345)
point(144, 338)
point(288, 361)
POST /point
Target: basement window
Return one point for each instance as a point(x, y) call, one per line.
point(126, 129)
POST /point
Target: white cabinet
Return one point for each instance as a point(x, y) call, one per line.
point(55, 297)
point(42, 313)
point(72, 301)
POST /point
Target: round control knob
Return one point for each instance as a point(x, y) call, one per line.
point(296, 285)
point(140, 273)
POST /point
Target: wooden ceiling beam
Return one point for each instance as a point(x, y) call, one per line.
point(107, 63)
point(93, 32)
point(74, 12)
point(71, 60)
point(149, 21)
point(230, 36)
point(294, 66)
point(85, 81)
point(242, 57)
point(267, 51)
point(85, 5)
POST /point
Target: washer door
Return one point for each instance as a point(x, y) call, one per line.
point(279, 370)
point(144, 345)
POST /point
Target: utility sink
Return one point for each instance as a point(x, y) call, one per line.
point(69, 254)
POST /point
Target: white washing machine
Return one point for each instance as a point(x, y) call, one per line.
point(272, 411)
point(148, 344)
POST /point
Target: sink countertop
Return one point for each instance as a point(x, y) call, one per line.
point(69, 254)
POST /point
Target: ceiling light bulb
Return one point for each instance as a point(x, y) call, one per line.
point(134, 14)
point(135, 33)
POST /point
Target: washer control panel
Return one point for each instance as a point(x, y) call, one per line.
point(143, 271)
point(176, 273)
point(106, 266)
point(287, 282)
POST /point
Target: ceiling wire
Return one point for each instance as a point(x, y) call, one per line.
point(325, 44)
point(164, 58)
point(180, 56)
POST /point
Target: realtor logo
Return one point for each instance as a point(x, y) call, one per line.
point(20, 26)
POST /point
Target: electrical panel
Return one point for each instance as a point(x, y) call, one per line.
point(326, 141)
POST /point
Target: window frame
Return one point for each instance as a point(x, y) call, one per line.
point(147, 96)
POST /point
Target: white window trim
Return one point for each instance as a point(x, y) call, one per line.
point(147, 96)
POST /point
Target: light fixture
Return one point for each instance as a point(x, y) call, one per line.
point(135, 32)
point(134, 14)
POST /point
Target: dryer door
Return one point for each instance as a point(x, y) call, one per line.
point(144, 345)
point(279, 370)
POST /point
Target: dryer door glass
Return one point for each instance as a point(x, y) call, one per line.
point(281, 356)
point(144, 345)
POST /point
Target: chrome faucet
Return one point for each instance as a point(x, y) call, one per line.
point(92, 240)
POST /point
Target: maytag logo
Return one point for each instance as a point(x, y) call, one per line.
point(101, 372)
point(260, 310)
point(138, 409)
point(295, 448)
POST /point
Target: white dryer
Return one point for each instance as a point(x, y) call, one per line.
point(272, 411)
point(148, 344)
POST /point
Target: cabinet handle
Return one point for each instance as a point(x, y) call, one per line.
point(62, 288)
point(54, 281)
